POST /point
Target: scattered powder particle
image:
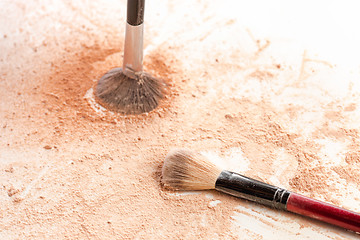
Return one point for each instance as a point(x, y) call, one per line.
point(353, 157)
point(213, 204)
point(12, 191)
point(57, 93)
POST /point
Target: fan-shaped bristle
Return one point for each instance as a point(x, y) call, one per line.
point(187, 170)
point(121, 93)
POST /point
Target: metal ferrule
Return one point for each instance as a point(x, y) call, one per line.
point(251, 189)
point(133, 50)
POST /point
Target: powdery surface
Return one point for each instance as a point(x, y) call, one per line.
point(259, 103)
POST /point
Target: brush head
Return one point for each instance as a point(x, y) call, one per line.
point(187, 170)
point(127, 95)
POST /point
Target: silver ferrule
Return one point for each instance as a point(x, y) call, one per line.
point(133, 50)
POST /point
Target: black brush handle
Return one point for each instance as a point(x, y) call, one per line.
point(243, 187)
point(135, 12)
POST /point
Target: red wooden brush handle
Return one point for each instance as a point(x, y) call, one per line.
point(323, 211)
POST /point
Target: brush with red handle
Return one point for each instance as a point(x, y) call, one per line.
point(187, 170)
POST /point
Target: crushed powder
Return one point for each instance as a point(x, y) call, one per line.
point(103, 178)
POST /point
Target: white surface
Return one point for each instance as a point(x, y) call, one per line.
point(324, 31)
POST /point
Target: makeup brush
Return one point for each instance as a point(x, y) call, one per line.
point(129, 89)
point(187, 170)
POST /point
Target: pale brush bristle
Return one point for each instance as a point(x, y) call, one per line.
point(187, 170)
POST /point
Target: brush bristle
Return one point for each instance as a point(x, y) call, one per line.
point(121, 93)
point(187, 170)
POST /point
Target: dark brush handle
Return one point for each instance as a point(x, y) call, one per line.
point(244, 187)
point(135, 12)
point(323, 211)
point(133, 48)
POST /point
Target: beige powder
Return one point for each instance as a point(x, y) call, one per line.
point(72, 170)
